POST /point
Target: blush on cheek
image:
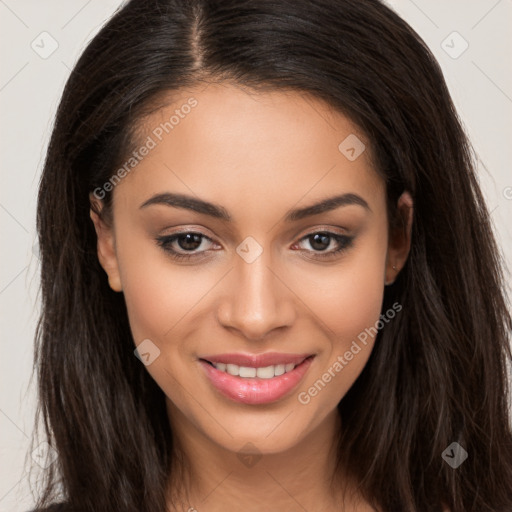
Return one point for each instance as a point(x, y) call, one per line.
point(160, 297)
point(350, 303)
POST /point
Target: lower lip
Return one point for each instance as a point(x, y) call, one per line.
point(253, 390)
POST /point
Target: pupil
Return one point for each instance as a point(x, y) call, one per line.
point(189, 241)
point(319, 239)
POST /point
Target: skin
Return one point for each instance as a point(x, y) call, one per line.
point(258, 155)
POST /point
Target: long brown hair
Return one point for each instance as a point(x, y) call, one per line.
point(437, 374)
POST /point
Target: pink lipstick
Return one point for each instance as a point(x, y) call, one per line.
point(256, 379)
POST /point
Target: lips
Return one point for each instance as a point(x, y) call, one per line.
point(254, 390)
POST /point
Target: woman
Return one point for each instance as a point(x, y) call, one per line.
point(269, 279)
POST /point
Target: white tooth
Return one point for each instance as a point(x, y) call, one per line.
point(268, 372)
point(232, 369)
point(247, 372)
point(279, 369)
point(265, 373)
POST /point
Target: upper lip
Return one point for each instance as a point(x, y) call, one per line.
point(257, 360)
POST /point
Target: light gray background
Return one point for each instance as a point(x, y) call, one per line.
point(480, 81)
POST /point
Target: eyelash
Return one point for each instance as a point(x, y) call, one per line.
point(165, 242)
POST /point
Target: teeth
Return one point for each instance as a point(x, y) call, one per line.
point(232, 369)
point(244, 371)
point(279, 369)
point(265, 373)
point(268, 372)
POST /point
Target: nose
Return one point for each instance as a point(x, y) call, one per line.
point(256, 300)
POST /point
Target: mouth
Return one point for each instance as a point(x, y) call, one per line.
point(255, 380)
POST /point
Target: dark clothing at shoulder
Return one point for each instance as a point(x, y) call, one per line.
point(57, 507)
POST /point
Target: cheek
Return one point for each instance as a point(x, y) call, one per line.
point(159, 295)
point(163, 303)
point(357, 303)
point(348, 303)
point(348, 297)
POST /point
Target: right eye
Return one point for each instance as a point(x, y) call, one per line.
point(184, 245)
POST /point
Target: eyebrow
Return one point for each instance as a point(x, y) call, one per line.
point(219, 212)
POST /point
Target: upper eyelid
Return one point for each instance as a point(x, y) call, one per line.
point(324, 229)
point(186, 231)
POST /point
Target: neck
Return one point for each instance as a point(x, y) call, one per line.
point(214, 478)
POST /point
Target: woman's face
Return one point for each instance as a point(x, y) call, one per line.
point(284, 264)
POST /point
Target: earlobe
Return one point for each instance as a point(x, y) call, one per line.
point(106, 247)
point(399, 243)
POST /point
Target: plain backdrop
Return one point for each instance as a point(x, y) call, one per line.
point(40, 42)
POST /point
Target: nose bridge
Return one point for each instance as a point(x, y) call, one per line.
point(256, 302)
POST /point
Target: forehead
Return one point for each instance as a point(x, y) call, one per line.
point(241, 146)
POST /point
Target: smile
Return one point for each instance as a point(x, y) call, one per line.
point(254, 383)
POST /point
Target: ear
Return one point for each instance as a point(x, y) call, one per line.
point(399, 242)
point(106, 245)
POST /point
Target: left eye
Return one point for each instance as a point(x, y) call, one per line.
point(326, 243)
